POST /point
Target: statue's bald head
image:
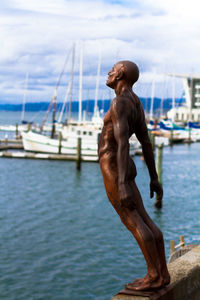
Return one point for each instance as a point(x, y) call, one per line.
point(130, 70)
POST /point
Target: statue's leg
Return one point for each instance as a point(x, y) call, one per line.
point(145, 239)
point(140, 230)
point(154, 246)
point(158, 236)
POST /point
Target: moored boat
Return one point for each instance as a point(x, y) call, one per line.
point(89, 134)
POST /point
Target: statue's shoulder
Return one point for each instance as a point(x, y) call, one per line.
point(121, 101)
point(119, 105)
point(138, 102)
point(136, 99)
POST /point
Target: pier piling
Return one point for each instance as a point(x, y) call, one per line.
point(78, 159)
point(29, 127)
point(172, 246)
point(181, 244)
point(16, 131)
point(189, 136)
point(6, 139)
point(158, 202)
point(171, 139)
point(60, 143)
point(152, 139)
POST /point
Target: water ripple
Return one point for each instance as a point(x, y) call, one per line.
point(61, 238)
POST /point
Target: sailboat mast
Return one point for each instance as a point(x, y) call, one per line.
point(173, 100)
point(191, 96)
point(162, 98)
point(71, 82)
point(24, 98)
point(97, 85)
point(152, 97)
point(80, 84)
point(54, 100)
point(64, 104)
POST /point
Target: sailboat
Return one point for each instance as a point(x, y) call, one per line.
point(63, 139)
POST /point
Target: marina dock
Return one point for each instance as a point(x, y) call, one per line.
point(8, 144)
point(44, 156)
point(16, 144)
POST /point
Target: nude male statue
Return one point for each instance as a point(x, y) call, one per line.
point(125, 117)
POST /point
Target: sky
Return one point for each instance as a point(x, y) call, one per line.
point(37, 37)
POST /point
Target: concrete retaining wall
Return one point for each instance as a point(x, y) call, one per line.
point(185, 278)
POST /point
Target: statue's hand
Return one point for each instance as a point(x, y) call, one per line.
point(126, 196)
point(155, 186)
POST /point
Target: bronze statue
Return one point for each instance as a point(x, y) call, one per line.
point(125, 117)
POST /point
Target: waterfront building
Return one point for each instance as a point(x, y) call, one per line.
point(190, 111)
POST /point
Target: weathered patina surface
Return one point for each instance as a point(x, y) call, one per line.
point(125, 117)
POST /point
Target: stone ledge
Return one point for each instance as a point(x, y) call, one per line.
point(125, 297)
point(185, 278)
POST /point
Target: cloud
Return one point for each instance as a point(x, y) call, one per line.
point(37, 35)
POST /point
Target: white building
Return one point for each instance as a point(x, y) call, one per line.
point(191, 110)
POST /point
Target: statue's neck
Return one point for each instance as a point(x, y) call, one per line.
point(122, 87)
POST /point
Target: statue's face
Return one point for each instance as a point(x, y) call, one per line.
point(112, 76)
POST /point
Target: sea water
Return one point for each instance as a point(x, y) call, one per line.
point(60, 239)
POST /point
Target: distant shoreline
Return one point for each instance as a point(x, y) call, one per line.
point(87, 105)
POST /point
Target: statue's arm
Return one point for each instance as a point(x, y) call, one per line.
point(119, 111)
point(143, 137)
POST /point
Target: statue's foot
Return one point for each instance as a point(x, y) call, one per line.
point(138, 280)
point(146, 279)
point(146, 283)
point(166, 277)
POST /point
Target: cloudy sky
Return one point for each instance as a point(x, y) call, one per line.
point(37, 36)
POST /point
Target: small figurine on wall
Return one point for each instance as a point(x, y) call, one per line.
point(125, 117)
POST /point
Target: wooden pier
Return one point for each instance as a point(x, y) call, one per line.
point(6, 144)
point(11, 147)
point(44, 156)
point(16, 144)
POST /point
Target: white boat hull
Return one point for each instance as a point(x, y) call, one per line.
point(35, 142)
